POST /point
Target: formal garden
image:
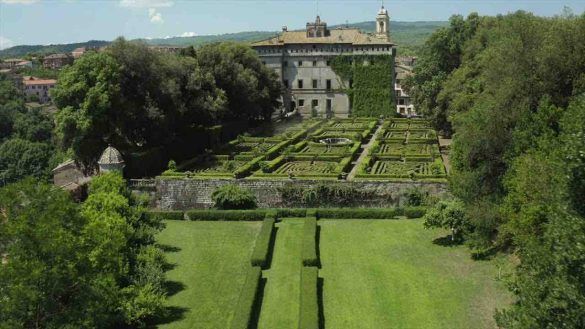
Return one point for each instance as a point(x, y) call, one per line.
point(322, 268)
point(395, 150)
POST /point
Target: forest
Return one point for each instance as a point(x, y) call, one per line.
point(510, 90)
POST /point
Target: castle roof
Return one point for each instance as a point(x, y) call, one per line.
point(336, 36)
point(110, 156)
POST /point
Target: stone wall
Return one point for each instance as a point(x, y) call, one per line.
point(183, 194)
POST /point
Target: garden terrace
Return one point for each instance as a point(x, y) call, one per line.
point(403, 149)
point(307, 268)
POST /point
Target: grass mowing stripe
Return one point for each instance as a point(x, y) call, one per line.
point(209, 262)
point(390, 274)
point(280, 305)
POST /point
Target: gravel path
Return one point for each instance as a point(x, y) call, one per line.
point(364, 154)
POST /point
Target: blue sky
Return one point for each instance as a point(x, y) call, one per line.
point(65, 21)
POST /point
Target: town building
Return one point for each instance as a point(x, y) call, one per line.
point(15, 63)
point(38, 88)
point(302, 60)
point(57, 61)
point(78, 52)
point(403, 69)
point(167, 49)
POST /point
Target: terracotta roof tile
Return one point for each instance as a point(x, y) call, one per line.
point(348, 36)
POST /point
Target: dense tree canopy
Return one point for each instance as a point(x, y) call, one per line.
point(71, 266)
point(26, 137)
point(138, 99)
point(514, 96)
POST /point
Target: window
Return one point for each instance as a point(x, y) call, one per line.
point(328, 63)
point(300, 63)
point(328, 106)
point(401, 101)
point(350, 83)
point(263, 63)
point(328, 83)
point(314, 84)
point(285, 82)
point(285, 63)
point(301, 102)
point(314, 103)
point(300, 83)
point(314, 63)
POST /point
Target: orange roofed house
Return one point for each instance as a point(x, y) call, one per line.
point(38, 88)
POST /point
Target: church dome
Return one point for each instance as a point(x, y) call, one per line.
point(110, 156)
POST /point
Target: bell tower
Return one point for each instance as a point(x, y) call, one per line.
point(383, 23)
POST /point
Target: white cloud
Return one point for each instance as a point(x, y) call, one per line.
point(24, 2)
point(155, 17)
point(188, 34)
point(145, 3)
point(5, 43)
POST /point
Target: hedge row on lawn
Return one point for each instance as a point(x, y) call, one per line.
point(309, 307)
point(226, 215)
point(309, 251)
point(165, 215)
point(260, 214)
point(261, 249)
point(247, 300)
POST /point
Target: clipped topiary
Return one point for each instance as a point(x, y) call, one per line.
point(233, 197)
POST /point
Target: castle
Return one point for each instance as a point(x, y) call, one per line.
point(302, 60)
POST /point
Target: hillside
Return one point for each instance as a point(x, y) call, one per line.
point(408, 35)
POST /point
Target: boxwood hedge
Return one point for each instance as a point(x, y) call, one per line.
point(309, 307)
point(262, 247)
point(309, 251)
point(245, 307)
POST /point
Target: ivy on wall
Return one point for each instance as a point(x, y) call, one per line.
point(372, 91)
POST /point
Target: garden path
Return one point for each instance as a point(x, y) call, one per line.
point(364, 154)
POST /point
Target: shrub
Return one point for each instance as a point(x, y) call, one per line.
point(414, 212)
point(414, 196)
point(309, 253)
point(165, 215)
point(261, 249)
point(226, 215)
point(233, 197)
point(247, 299)
point(309, 307)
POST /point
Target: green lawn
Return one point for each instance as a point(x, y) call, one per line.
point(280, 306)
point(389, 274)
point(209, 260)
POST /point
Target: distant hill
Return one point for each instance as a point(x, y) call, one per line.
point(18, 51)
point(408, 35)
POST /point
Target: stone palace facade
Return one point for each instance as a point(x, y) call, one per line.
point(302, 59)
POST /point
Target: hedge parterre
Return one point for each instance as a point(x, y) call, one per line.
point(405, 149)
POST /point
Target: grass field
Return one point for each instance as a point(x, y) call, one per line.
point(389, 274)
point(208, 265)
point(280, 305)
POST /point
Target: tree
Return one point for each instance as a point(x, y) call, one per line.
point(70, 266)
point(20, 158)
point(233, 197)
point(43, 282)
point(141, 100)
point(450, 215)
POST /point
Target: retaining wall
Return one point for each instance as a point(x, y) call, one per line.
point(183, 194)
